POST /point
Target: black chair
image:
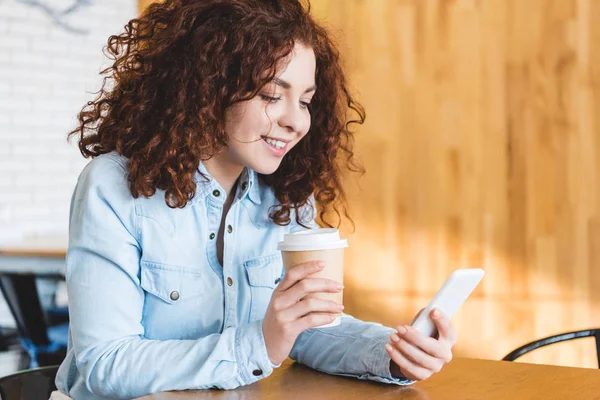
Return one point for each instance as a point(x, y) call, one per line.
point(45, 344)
point(8, 338)
point(595, 333)
point(34, 384)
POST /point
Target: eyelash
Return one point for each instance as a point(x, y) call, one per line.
point(273, 100)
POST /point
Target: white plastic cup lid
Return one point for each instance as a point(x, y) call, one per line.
point(312, 239)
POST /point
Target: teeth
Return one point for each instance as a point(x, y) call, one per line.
point(275, 143)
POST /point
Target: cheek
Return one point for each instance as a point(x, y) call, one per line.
point(306, 123)
point(258, 119)
point(249, 125)
point(233, 121)
point(300, 138)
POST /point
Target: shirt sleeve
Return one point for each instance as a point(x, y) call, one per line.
point(354, 348)
point(106, 303)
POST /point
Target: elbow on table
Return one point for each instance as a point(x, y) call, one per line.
point(102, 376)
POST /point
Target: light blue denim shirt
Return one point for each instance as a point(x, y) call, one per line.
point(151, 309)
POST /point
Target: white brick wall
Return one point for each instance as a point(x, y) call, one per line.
point(45, 72)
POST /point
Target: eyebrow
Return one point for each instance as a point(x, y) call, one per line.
point(286, 85)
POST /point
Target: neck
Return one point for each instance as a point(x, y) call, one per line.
point(224, 171)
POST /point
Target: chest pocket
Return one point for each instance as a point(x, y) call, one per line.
point(171, 284)
point(264, 274)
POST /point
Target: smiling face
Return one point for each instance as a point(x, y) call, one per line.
point(265, 128)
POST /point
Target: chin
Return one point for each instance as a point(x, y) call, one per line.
point(265, 168)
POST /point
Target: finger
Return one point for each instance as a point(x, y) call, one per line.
point(418, 357)
point(312, 320)
point(307, 306)
point(312, 285)
point(445, 331)
point(408, 368)
point(431, 346)
point(299, 272)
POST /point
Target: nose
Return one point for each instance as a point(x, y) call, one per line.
point(294, 119)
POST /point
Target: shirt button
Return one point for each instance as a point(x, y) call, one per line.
point(229, 281)
point(212, 236)
point(257, 372)
point(229, 228)
point(174, 295)
point(244, 185)
point(277, 280)
point(216, 193)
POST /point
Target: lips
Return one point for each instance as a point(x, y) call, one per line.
point(276, 151)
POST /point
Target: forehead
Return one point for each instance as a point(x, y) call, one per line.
point(300, 67)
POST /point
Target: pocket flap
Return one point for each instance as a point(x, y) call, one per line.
point(265, 271)
point(170, 283)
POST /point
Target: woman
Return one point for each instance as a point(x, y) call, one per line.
point(219, 130)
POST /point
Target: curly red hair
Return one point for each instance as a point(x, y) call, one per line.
point(178, 68)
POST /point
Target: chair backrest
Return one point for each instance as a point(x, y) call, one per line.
point(26, 308)
point(35, 384)
point(595, 333)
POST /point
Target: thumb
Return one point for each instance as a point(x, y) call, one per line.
point(445, 330)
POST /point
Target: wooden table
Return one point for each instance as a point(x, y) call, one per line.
point(48, 253)
point(462, 379)
point(40, 262)
point(25, 293)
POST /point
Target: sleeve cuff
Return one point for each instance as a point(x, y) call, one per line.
point(251, 353)
point(381, 368)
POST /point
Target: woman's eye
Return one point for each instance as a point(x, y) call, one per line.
point(270, 99)
point(304, 104)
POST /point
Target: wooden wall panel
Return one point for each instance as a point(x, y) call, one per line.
point(142, 4)
point(482, 149)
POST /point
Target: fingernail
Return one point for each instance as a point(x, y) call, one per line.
point(388, 347)
point(339, 286)
point(340, 306)
point(395, 338)
point(402, 330)
point(435, 313)
point(321, 264)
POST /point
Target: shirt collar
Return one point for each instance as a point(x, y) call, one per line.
point(248, 184)
point(250, 177)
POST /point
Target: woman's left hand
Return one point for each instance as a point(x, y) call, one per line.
point(416, 356)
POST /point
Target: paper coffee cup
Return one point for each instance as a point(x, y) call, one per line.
point(317, 245)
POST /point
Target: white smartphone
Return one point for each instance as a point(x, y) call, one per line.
point(449, 298)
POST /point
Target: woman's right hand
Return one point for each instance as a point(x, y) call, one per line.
point(289, 314)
